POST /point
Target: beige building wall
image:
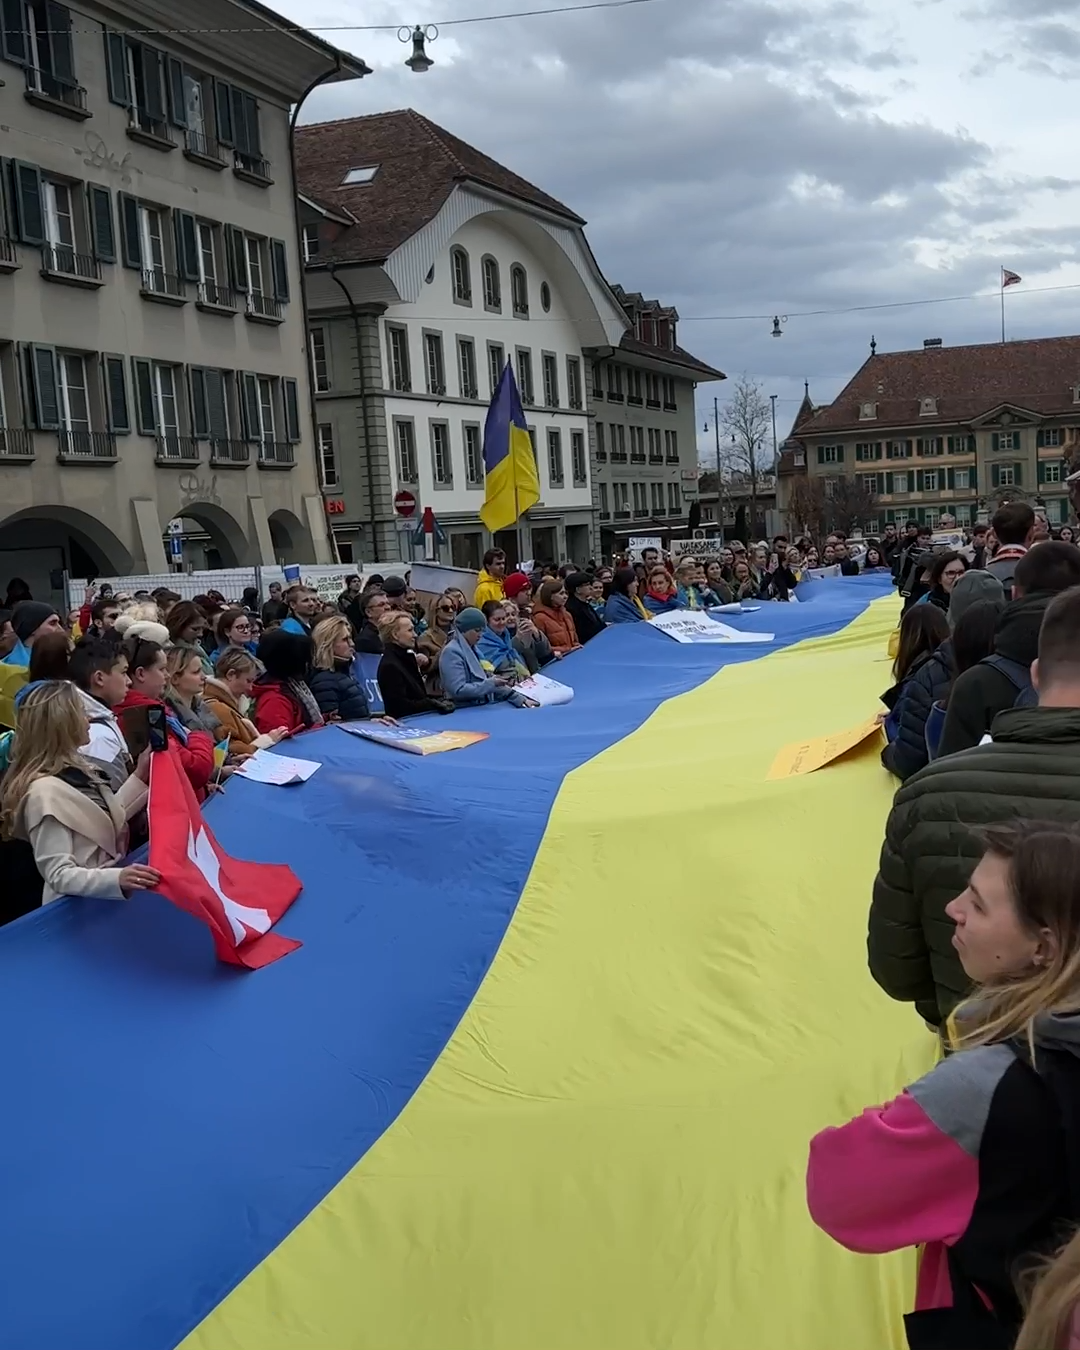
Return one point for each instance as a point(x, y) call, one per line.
point(105, 493)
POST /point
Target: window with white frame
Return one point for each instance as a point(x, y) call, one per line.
point(551, 380)
point(459, 271)
point(72, 391)
point(466, 350)
point(492, 286)
point(405, 447)
point(208, 240)
point(397, 341)
point(309, 239)
point(319, 368)
point(961, 479)
point(573, 382)
point(434, 367)
point(605, 510)
point(155, 272)
point(1006, 475)
point(525, 376)
point(328, 470)
point(656, 491)
point(674, 502)
point(641, 500)
point(474, 458)
point(442, 467)
point(671, 447)
point(59, 223)
point(579, 464)
point(930, 480)
point(656, 448)
point(496, 353)
point(519, 291)
point(555, 457)
point(1051, 471)
point(618, 443)
point(637, 445)
point(601, 447)
point(621, 492)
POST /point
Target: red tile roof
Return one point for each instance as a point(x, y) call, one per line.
point(419, 164)
point(676, 356)
point(967, 382)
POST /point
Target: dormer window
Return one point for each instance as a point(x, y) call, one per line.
point(867, 412)
point(928, 407)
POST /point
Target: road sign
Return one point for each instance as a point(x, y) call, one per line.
point(405, 503)
point(176, 546)
point(176, 526)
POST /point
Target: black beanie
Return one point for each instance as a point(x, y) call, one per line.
point(28, 616)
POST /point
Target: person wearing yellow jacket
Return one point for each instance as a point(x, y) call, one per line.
point(489, 583)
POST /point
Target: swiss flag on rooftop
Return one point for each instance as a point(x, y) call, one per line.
point(238, 901)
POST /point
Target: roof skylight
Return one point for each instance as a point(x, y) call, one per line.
point(362, 175)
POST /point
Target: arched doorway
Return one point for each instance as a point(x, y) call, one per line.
point(291, 538)
point(210, 536)
point(40, 543)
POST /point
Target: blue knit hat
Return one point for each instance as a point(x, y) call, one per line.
point(470, 620)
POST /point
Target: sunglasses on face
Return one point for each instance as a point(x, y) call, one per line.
point(446, 609)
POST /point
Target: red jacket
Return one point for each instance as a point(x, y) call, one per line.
point(276, 706)
point(196, 758)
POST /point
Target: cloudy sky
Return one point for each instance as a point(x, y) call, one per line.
point(741, 157)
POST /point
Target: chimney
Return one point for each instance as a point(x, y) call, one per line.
point(931, 342)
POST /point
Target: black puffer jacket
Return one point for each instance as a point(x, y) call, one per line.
point(982, 692)
point(906, 754)
point(1031, 772)
point(338, 694)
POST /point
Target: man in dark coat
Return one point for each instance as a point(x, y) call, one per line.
point(995, 683)
point(1030, 772)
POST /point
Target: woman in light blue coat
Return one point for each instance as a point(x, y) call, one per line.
point(462, 676)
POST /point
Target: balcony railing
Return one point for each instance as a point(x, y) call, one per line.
point(640, 512)
point(655, 457)
point(9, 258)
point(277, 452)
point(177, 450)
point(263, 308)
point(86, 446)
point(149, 130)
point(61, 262)
point(252, 167)
point(62, 96)
point(199, 145)
point(213, 296)
point(623, 513)
point(157, 284)
point(229, 452)
point(15, 443)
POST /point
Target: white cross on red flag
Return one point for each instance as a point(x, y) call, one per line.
point(238, 901)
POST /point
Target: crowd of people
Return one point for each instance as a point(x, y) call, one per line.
point(975, 914)
point(975, 921)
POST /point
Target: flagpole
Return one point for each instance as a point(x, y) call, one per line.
point(1003, 303)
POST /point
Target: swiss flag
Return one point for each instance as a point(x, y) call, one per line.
point(239, 901)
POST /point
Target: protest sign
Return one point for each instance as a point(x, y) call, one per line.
point(688, 625)
point(805, 756)
point(695, 548)
point(414, 740)
point(365, 669)
point(545, 691)
point(327, 588)
point(638, 543)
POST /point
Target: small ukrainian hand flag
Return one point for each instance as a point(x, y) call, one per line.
point(221, 751)
point(512, 482)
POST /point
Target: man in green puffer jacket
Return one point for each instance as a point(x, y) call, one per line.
point(1030, 772)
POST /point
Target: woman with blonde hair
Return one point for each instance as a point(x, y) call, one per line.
point(226, 697)
point(441, 612)
point(977, 1161)
point(61, 803)
point(400, 679)
point(337, 691)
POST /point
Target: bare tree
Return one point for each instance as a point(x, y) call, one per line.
point(746, 418)
point(806, 506)
point(849, 503)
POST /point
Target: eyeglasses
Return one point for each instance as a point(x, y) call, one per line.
point(444, 609)
point(241, 628)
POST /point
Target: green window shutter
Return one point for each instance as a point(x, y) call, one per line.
point(187, 245)
point(995, 475)
point(41, 363)
point(130, 243)
point(200, 419)
point(839, 454)
point(995, 441)
point(217, 416)
point(174, 72)
point(971, 443)
point(116, 69)
point(223, 112)
point(950, 479)
point(1040, 439)
point(14, 39)
point(292, 410)
point(245, 123)
point(973, 478)
point(911, 480)
point(821, 454)
point(116, 405)
point(144, 396)
point(279, 266)
point(58, 22)
point(249, 405)
point(29, 210)
point(1018, 474)
point(153, 72)
point(236, 257)
point(102, 234)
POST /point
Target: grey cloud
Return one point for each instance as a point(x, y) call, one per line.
point(724, 164)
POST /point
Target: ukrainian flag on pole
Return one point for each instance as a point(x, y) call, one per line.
point(512, 482)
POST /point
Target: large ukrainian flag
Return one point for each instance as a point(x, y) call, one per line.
point(512, 482)
point(571, 1004)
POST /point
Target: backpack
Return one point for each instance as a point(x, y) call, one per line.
point(1018, 675)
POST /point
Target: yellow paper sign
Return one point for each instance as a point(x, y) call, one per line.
point(805, 756)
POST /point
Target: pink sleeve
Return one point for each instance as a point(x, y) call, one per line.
point(1073, 1343)
point(890, 1179)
